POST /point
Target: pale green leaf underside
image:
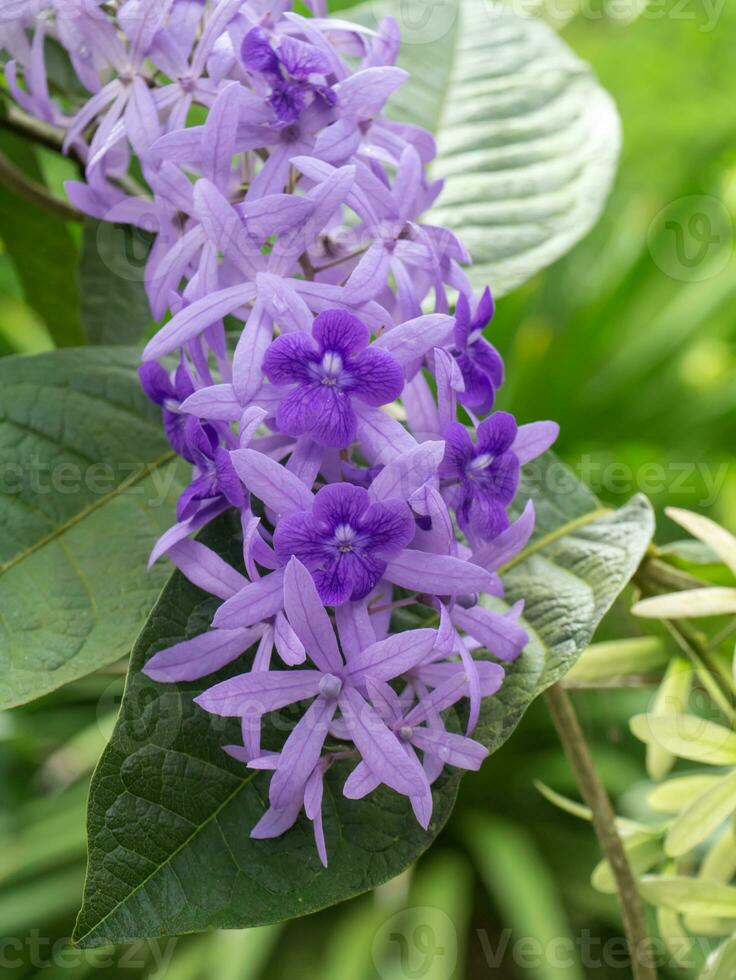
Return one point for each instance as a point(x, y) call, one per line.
point(88, 485)
point(528, 141)
point(170, 813)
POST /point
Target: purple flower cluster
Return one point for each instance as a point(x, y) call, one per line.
point(348, 420)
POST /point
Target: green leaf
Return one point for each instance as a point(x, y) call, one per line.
point(687, 737)
point(620, 658)
point(721, 964)
point(170, 812)
point(690, 896)
point(704, 815)
point(644, 851)
point(708, 532)
point(679, 944)
point(528, 140)
point(627, 828)
point(715, 601)
point(88, 484)
point(672, 698)
point(693, 552)
point(675, 794)
point(114, 306)
point(43, 251)
point(563, 803)
point(720, 861)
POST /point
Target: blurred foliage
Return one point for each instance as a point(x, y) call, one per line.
point(633, 351)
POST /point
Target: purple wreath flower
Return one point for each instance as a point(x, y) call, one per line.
point(479, 362)
point(169, 393)
point(290, 68)
point(345, 540)
point(334, 683)
point(487, 473)
point(327, 371)
point(216, 477)
point(420, 728)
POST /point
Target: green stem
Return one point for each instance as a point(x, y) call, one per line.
point(604, 823)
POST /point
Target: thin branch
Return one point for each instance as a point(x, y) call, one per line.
point(41, 133)
point(14, 178)
point(604, 823)
point(14, 120)
point(307, 267)
point(651, 580)
point(339, 261)
point(707, 672)
point(721, 637)
point(663, 577)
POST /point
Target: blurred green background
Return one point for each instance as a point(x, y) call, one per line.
point(630, 342)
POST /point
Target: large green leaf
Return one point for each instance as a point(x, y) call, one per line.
point(114, 306)
point(528, 140)
point(169, 812)
point(87, 483)
point(579, 560)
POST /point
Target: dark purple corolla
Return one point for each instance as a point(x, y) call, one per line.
point(325, 372)
point(169, 393)
point(487, 473)
point(479, 362)
point(291, 68)
point(345, 540)
point(215, 477)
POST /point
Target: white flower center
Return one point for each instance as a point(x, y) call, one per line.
point(344, 536)
point(330, 686)
point(331, 367)
point(480, 463)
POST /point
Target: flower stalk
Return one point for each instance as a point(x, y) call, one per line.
point(596, 799)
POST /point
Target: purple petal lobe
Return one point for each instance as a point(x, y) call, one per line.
point(301, 752)
point(205, 654)
point(336, 330)
point(378, 378)
point(258, 600)
point(258, 693)
point(437, 574)
point(308, 618)
point(381, 750)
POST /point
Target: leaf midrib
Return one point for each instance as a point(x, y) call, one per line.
point(62, 529)
point(589, 518)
